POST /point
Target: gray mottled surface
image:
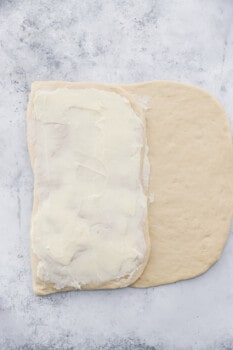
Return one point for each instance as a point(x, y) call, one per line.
point(109, 41)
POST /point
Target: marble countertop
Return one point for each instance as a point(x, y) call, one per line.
point(106, 41)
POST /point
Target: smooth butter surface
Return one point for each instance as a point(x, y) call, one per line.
point(91, 215)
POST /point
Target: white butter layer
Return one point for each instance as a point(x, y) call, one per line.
point(89, 227)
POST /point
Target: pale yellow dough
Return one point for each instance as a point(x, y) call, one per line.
point(191, 180)
point(88, 151)
point(191, 160)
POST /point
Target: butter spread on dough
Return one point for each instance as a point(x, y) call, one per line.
point(88, 228)
point(191, 162)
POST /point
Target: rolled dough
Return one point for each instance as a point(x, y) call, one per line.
point(191, 180)
point(191, 160)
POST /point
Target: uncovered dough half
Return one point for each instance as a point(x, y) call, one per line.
point(88, 152)
point(191, 179)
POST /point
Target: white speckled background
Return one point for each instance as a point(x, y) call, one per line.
point(107, 41)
